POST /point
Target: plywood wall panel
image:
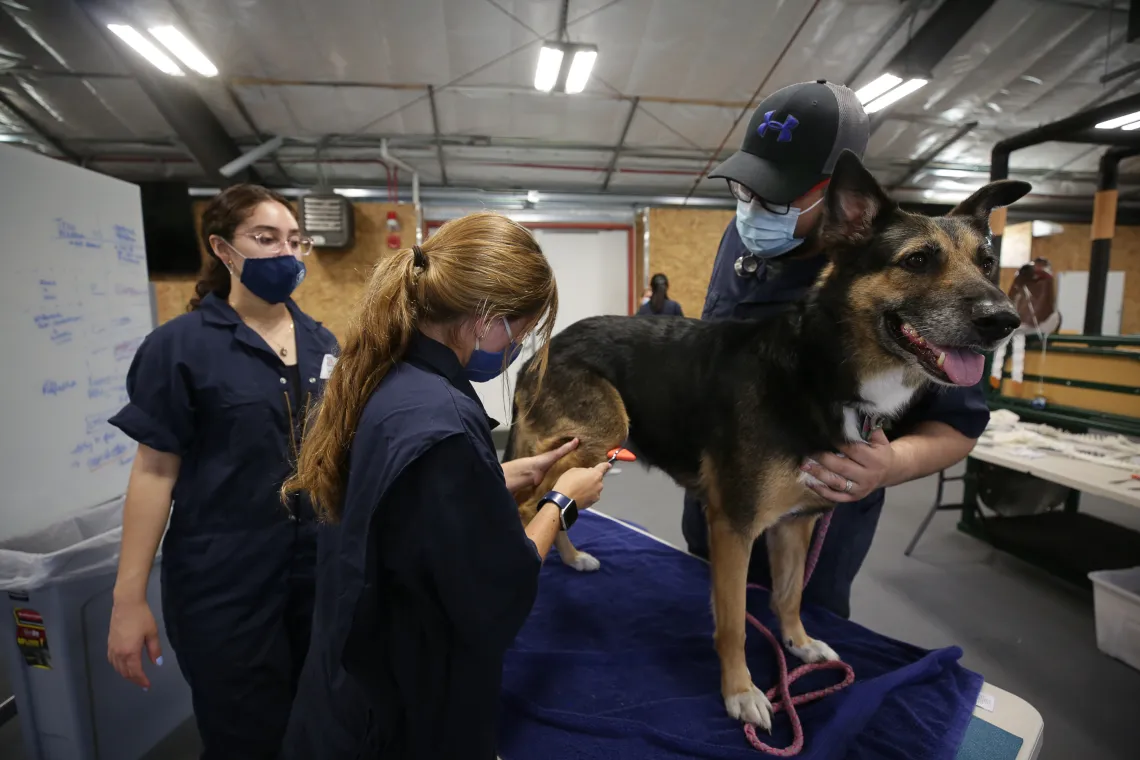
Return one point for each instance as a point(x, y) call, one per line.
point(683, 244)
point(334, 279)
point(1069, 251)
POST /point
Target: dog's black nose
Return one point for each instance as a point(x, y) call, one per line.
point(994, 321)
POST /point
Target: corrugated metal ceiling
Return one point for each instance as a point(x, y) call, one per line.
point(353, 72)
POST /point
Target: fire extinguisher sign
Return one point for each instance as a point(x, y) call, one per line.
point(31, 638)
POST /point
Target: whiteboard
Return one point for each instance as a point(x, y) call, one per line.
point(75, 305)
point(1072, 296)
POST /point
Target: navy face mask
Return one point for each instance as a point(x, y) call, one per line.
point(487, 365)
point(271, 279)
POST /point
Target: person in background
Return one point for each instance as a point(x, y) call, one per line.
point(218, 399)
point(769, 257)
point(659, 303)
point(1034, 295)
point(425, 573)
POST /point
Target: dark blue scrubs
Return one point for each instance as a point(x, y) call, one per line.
point(776, 287)
point(421, 586)
point(669, 309)
point(237, 565)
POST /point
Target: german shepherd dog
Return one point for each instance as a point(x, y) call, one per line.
point(732, 409)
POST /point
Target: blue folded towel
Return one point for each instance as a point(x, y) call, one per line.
point(984, 741)
point(620, 664)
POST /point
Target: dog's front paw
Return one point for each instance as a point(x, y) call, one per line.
point(751, 706)
point(813, 651)
point(583, 562)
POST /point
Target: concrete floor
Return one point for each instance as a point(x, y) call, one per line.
point(1023, 630)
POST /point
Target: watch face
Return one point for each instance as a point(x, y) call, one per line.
point(569, 515)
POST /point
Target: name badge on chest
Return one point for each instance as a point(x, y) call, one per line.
point(327, 365)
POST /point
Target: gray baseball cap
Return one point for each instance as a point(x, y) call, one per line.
point(795, 137)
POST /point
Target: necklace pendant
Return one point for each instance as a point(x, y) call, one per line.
point(284, 353)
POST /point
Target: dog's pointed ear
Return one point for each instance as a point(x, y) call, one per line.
point(854, 201)
point(979, 205)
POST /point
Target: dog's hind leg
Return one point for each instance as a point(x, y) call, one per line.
point(789, 542)
point(573, 404)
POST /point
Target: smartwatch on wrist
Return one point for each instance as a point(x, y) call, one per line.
point(567, 509)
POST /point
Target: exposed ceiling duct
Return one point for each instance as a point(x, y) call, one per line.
point(646, 124)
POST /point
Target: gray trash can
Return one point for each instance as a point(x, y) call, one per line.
point(55, 611)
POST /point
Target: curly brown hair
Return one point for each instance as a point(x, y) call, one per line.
point(222, 216)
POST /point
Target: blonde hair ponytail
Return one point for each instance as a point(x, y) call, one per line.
point(482, 265)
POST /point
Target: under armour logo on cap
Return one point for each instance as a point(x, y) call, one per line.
point(785, 128)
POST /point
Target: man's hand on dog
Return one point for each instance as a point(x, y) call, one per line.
point(866, 466)
point(529, 471)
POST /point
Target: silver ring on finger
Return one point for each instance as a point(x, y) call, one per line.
point(847, 488)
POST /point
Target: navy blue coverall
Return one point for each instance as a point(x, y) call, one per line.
point(777, 287)
point(237, 565)
point(669, 309)
point(421, 586)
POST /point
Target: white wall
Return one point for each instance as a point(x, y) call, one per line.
point(591, 268)
point(1072, 296)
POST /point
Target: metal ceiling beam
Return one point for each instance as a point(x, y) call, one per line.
point(912, 7)
point(620, 144)
point(438, 137)
point(249, 122)
point(41, 133)
point(1104, 137)
point(205, 137)
point(423, 145)
point(235, 101)
point(1117, 73)
point(922, 161)
point(1075, 128)
point(33, 71)
point(755, 96)
point(934, 39)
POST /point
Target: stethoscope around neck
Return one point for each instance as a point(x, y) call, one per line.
point(747, 265)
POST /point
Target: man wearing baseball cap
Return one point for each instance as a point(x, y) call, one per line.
point(768, 258)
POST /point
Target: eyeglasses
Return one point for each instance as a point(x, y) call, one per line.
point(744, 195)
point(274, 244)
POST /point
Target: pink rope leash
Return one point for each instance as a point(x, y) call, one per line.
point(784, 687)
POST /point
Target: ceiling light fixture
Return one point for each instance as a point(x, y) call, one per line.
point(549, 63)
point(185, 50)
point(1120, 121)
point(146, 49)
point(893, 95)
point(869, 92)
point(580, 68)
point(564, 67)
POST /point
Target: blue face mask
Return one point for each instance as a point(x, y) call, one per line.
point(766, 234)
point(487, 365)
point(271, 279)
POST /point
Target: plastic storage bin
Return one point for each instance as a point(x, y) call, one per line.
point(1116, 596)
point(55, 610)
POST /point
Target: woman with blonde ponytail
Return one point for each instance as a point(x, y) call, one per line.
point(425, 573)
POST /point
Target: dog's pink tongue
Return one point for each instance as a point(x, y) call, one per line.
point(962, 366)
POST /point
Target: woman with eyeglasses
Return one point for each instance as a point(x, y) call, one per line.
point(218, 399)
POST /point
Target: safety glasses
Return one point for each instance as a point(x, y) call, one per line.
point(275, 244)
point(744, 195)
